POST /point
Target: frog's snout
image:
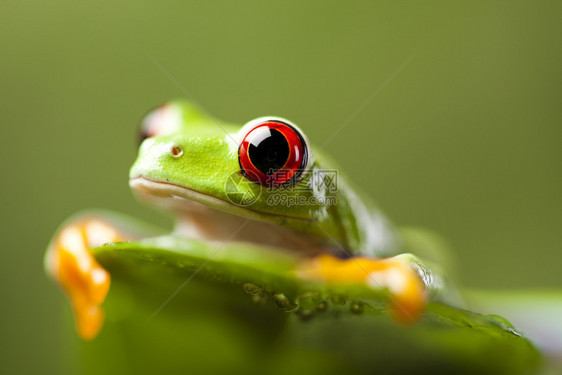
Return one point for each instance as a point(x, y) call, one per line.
point(153, 157)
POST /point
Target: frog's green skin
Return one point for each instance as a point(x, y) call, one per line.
point(210, 158)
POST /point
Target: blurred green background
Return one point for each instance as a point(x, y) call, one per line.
point(465, 140)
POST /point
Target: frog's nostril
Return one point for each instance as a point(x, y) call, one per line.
point(176, 151)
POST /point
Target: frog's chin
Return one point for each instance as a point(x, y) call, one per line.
point(205, 217)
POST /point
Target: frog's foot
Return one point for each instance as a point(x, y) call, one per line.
point(398, 275)
point(86, 283)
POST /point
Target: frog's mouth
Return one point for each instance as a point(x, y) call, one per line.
point(203, 216)
point(160, 189)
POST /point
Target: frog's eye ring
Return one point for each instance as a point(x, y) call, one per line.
point(273, 153)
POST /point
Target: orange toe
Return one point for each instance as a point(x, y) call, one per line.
point(84, 280)
point(407, 293)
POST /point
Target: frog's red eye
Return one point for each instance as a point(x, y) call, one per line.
point(149, 125)
point(159, 121)
point(273, 153)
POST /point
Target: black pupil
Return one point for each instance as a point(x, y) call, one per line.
point(268, 150)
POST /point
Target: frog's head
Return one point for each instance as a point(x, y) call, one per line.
point(264, 170)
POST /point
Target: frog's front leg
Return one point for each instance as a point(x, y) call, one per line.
point(400, 275)
point(70, 262)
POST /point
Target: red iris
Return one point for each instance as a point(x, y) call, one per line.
point(273, 153)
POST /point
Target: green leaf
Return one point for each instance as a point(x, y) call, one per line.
point(186, 306)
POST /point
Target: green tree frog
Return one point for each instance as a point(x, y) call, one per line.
point(261, 184)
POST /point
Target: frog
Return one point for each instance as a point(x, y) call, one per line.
point(262, 184)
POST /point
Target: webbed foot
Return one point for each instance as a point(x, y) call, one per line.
point(398, 275)
point(86, 283)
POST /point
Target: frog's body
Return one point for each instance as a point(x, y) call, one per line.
point(206, 174)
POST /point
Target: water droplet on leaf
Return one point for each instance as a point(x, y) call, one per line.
point(309, 300)
point(283, 302)
point(253, 289)
point(338, 299)
point(356, 307)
